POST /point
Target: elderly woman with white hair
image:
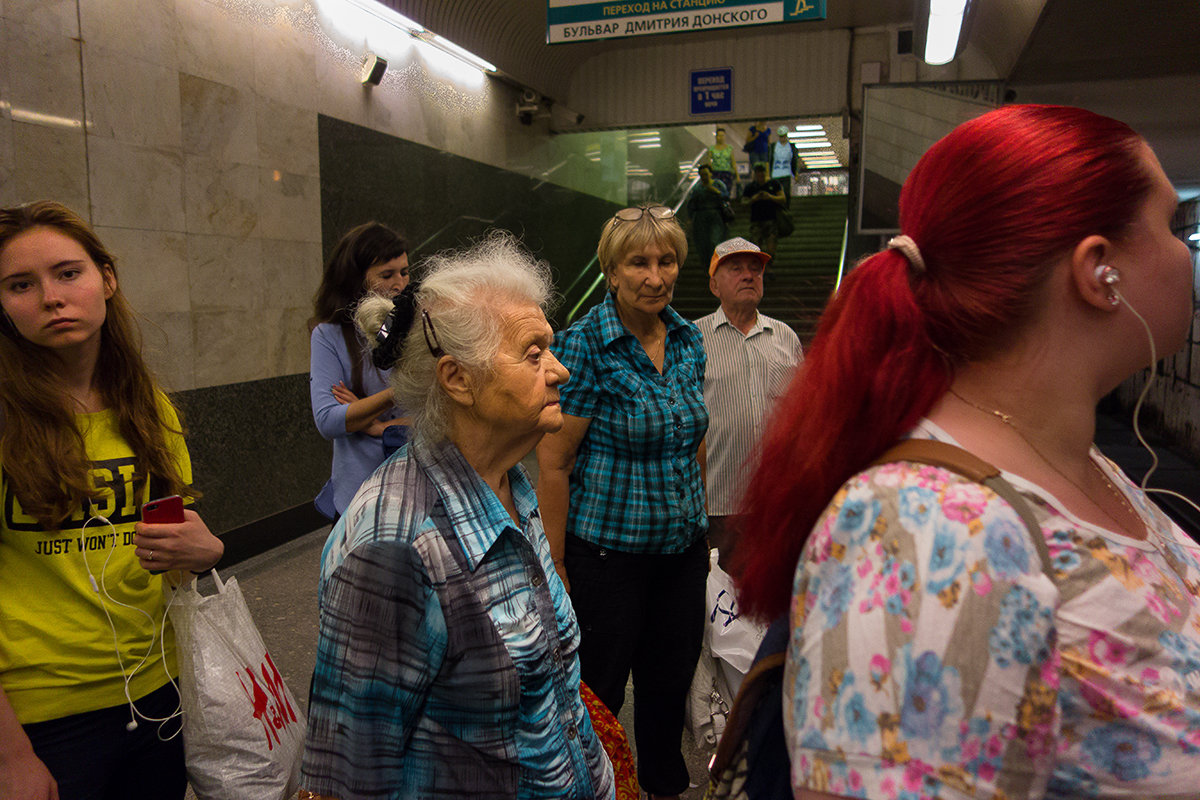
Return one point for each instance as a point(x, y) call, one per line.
point(446, 659)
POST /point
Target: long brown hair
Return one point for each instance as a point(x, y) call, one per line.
point(342, 284)
point(41, 447)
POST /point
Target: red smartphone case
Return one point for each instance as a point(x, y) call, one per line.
point(164, 509)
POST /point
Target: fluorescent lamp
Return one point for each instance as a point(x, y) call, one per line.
point(1195, 237)
point(799, 128)
point(38, 118)
point(810, 145)
point(944, 28)
point(382, 12)
point(359, 18)
point(649, 145)
point(447, 46)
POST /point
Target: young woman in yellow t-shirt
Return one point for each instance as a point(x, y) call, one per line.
point(84, 433)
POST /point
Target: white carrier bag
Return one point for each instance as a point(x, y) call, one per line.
point(243, 732)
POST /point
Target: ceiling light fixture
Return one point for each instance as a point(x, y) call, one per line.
point(940, 25)
point(344, 11)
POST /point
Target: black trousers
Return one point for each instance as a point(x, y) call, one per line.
point(645, 614)
point(93, 757)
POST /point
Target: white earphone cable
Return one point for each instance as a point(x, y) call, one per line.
point(102, 592)
point(1137, 410)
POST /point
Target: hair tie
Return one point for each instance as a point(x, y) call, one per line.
point(389, 341)
point(909, 248)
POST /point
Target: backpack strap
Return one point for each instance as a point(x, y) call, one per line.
point(955, 459)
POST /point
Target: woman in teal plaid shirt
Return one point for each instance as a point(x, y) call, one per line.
point(620, 488)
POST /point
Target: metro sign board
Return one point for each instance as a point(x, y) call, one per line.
point(584, 20)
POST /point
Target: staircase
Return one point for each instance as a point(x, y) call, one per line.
point(798, 281)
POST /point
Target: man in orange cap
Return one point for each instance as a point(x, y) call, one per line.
point(751, 358)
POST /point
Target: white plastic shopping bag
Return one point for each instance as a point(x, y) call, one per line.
point(730, 644)
point(735, 639)
point(243, 732)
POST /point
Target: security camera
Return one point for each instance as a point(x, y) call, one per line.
point(529, 97)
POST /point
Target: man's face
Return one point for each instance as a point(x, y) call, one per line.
point(760, 176)
point(738, 281)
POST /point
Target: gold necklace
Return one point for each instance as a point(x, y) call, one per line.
point(1007, 419)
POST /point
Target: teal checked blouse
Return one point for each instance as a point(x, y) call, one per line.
point(636, 485)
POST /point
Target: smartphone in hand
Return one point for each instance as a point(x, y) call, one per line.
point(164, 509)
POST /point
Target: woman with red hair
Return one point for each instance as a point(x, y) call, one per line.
point(937, 648)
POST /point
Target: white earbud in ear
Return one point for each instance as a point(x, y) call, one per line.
point(1110, 277)
point(131, 726)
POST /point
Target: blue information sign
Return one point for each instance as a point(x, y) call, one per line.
point(712, 91)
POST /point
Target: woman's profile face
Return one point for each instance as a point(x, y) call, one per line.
point(1156, 265)
point(522, 395)
point(644, 279)
point(52, 291)
point(388, 278)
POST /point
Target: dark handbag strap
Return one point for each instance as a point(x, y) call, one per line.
point(955, 459)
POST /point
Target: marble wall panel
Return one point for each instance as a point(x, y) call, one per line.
point(287, 137)
point(338, 90)
point(152, 268)
point(254, 449)
point(289, 206)
point(57, 16)
point(229, 347)
point(287, 340)
point(214, 44)
point(134, 186)
point(220, 197)
point(291, 273)
point(225, 274)
point(131, 100)
point(49, 163)
point(44, 74)
point(148, 34)
point(218, 121)
point(168, 349)
point(369, 175)
point(8, 189)
point(284, 64)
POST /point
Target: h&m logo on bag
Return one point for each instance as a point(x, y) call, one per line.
point(729, 612)
point(271, 705)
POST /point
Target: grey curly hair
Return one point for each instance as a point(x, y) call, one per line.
point(464, 293)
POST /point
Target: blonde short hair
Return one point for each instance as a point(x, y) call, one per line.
point(619, 238)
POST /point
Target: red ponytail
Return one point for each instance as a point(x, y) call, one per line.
point(991, 207)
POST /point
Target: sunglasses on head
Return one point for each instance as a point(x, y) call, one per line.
point(637, 212)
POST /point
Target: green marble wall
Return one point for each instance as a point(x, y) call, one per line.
point(439, 200)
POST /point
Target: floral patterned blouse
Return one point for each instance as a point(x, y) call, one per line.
point(933, 657)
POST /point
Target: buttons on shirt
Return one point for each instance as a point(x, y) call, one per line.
point(536, 580)
point(572, 731)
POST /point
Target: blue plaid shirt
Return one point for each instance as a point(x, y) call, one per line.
point(446, 657)
point(636, 484)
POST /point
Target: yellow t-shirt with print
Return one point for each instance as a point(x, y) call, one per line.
point(57, 654)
